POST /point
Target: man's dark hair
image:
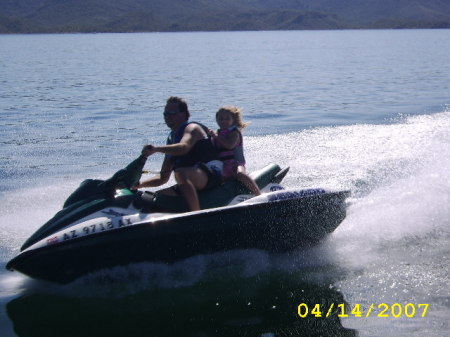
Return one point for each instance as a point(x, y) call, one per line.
point(182, 105)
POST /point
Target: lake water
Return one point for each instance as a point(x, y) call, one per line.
point(367, 111)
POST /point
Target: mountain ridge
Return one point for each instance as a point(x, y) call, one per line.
point(59, 16)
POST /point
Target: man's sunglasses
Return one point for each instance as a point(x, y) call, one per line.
point(170, 113)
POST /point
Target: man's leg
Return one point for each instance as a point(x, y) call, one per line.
point(189, 180)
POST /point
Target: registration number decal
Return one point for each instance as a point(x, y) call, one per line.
point(91, 228)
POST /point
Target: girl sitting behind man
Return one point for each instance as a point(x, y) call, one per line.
point(228, 141)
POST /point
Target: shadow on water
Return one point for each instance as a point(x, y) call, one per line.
point(264, 305)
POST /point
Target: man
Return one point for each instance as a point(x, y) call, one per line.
point(189, 153)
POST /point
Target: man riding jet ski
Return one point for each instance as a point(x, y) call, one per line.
point(189, 153)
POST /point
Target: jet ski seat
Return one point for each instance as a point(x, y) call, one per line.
point(219, 196)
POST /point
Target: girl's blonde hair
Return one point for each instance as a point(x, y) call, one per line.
point(236, 114)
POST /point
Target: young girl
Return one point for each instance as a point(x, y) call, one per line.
point(228, 141)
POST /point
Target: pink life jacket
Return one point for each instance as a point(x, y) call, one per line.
point(231, 158)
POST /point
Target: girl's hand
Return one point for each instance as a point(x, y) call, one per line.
point(212, 133)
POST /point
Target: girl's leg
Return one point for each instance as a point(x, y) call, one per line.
point(243, 177)
point(189, 180)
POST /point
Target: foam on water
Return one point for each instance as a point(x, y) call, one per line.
point(404, 186)
point(398, 171)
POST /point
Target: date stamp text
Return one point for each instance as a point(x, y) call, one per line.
point(382, 310)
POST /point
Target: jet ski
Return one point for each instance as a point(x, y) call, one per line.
point(104, 223)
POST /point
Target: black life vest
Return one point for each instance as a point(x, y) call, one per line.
point(202, 152)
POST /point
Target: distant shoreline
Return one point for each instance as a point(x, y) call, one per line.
point(216, 31)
